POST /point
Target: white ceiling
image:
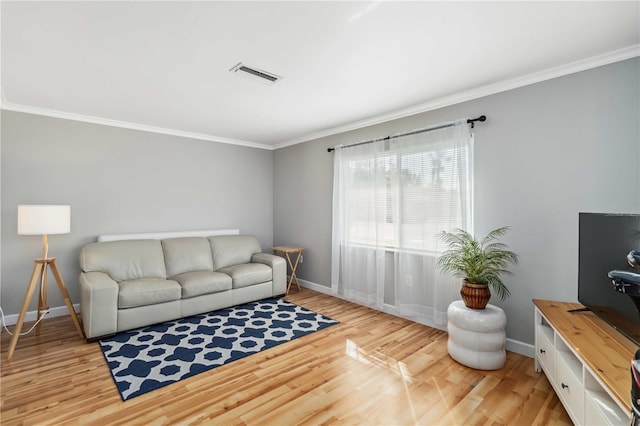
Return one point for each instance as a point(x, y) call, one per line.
point(164, 66)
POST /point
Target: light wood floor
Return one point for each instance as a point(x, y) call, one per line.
point(371, 369)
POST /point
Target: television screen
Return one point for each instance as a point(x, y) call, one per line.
point(605, 241)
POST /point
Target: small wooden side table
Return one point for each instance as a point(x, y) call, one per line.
point(285, 251)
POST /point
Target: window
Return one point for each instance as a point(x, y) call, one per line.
point(391, 199)
point(402, 196)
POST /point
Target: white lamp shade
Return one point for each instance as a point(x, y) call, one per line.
point(41, 219)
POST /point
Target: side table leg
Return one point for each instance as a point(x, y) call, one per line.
point(286, 255)
point(293, 271)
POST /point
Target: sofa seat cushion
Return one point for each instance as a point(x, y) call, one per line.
point(247, 274)
point(198, 283)
point(147, 291)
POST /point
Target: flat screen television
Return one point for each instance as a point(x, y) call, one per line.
point(605, 240)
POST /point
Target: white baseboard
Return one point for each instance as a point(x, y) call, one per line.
point(521, 348)
point(512, 345)
point(57, 311)
point(317, 287)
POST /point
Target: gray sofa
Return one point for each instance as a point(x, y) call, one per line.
point(133, 283)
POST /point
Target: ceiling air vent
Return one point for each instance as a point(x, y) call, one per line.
point(255, 74)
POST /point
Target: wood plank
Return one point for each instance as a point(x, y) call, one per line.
point(372, 368)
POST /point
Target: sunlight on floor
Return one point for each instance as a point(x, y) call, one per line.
point(380, 360)
point(445, 410)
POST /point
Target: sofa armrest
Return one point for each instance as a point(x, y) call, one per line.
point(279, 268)
point(98, 304)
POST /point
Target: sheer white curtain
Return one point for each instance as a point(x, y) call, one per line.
point(390, 200)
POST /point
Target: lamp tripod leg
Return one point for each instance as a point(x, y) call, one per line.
point(65, 296)
point(37, 270)
point(42, 297)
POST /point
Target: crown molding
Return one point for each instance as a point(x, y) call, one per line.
point(7, 106)
point(490, 89)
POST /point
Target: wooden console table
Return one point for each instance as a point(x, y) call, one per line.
point(286, 251)
point(586, 361)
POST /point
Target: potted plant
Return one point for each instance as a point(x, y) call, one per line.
point(479, 263)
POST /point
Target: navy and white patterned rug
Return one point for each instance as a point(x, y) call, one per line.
point(151, 357)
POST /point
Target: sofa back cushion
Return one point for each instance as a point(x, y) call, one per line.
point(124, 260)
point(188, 254)
point(231, 250)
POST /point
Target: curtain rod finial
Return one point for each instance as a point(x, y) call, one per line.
point(472, 121)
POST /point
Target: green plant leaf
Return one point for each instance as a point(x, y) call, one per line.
point(481, 262)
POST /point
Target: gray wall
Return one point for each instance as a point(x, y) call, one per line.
point(117, 181)
point(547, 151)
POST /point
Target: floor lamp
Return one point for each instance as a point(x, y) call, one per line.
point(43, 220)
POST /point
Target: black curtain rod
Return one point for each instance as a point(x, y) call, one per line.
point(471, 121)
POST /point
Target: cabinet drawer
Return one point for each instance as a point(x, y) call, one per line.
point(545, 350)
point(569, 386)
point(600, 409)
